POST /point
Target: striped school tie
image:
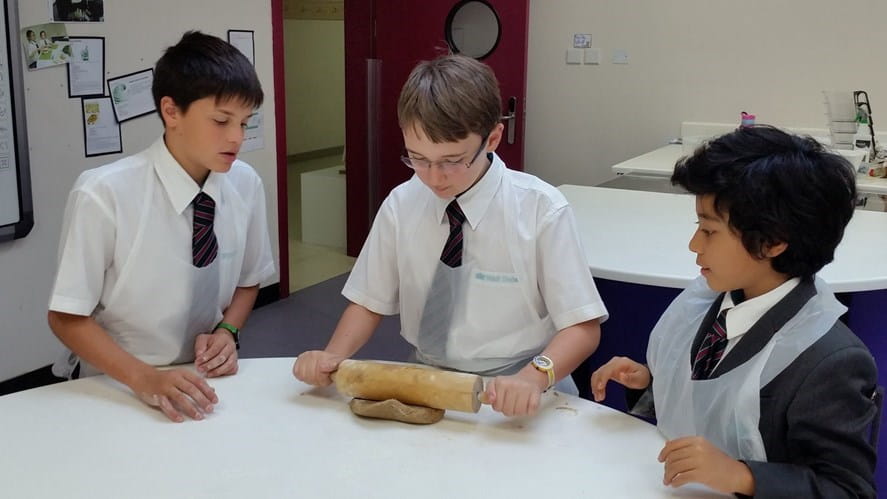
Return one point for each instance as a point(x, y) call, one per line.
point(203, 242)
point(452, 250)
point(712, 348)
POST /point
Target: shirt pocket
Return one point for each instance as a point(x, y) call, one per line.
point(495, 305)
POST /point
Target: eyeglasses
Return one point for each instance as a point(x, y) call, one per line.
point(445, 165)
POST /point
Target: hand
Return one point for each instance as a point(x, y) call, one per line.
point(215, 354)
point(176, 392)
point(695, 459)
point(621, 370)
point(516, 395)
point(314, 367)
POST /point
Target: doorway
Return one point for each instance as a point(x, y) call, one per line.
point(314, 77)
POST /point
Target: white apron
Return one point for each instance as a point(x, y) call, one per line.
point(725, 410)
point(484, 322)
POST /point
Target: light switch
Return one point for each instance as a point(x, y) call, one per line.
point(574, 56)
point(593, 56)
point(620, 56)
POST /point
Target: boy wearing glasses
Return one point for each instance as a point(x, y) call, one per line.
point(483, 264)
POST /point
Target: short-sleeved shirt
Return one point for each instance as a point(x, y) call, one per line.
point(527, 263)
point(125, 252)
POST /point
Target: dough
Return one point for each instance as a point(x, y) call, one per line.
point(395, 410)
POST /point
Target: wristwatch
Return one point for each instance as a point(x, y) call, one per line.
point(233, 330)
point(546, 365)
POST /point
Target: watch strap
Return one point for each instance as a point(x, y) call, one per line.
point(235, 332)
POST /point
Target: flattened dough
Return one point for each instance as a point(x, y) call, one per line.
point(395, 410)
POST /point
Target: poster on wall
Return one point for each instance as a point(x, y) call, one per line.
point(244, 41)
point(46, 45)
point(101, 131)
point(254, 135)
point(77, 11)
point(131, 94)
point(86, 69)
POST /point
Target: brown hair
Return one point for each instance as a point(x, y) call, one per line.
point(449, 98)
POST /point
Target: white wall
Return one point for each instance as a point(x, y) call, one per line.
point(136, 33)
point(315, 84)
point(689, 60)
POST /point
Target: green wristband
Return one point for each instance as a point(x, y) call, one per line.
point(231, 329)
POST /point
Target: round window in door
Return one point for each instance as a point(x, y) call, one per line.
point(472, 28)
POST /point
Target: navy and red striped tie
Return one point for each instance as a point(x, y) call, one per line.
point(204, 246)
point(452, 251)
point(712, 348)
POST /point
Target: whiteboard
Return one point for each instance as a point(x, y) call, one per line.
point(16, 209)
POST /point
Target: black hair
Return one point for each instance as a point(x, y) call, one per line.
point(29, 33)
point(776, 187)
point(202, 65)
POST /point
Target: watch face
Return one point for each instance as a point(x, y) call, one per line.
point(542, 361)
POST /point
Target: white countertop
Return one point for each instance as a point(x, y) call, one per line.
point(642, 237)
point(660, 162)
point(272, 436)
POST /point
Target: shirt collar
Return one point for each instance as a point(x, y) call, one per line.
point(180, 187)
point(744, 315)
point(475, 201)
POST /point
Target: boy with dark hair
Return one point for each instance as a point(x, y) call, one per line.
point(162, 253)
point(483, 263)
point(758, 386)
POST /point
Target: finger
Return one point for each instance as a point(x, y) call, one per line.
point(201, 384)
point(213, 347)
point(225, 368)
point(521, 403)
point(674, 467)
point(170, 411)
point(185, 404)
point(200, 344)
point(329, 365)
point(490, 394)
point(508, 401)
point(197, 396)
point(299, 367)
point(671, 446)
point(684, 478)
point(225, 354)
point(533, 406)
point(599, 382)
point(497, 393)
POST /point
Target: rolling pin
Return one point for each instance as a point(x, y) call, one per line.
point(413, 384)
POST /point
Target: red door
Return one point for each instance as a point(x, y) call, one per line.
point(384, 39)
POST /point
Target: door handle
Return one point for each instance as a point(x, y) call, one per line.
point(511, 118)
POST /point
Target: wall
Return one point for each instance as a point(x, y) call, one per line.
point(315, 84)
point(689, 60)
point(136, 33)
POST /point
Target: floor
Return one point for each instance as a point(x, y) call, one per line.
point(310, 264)
point(305, 320)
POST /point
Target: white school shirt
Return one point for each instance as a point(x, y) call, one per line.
point(529, 266)
point(32, 49)
point(125, 253)
point(742, 317)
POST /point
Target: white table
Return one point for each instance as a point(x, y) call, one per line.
point(272, 436)
point(642, 237)
point(660, 162)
